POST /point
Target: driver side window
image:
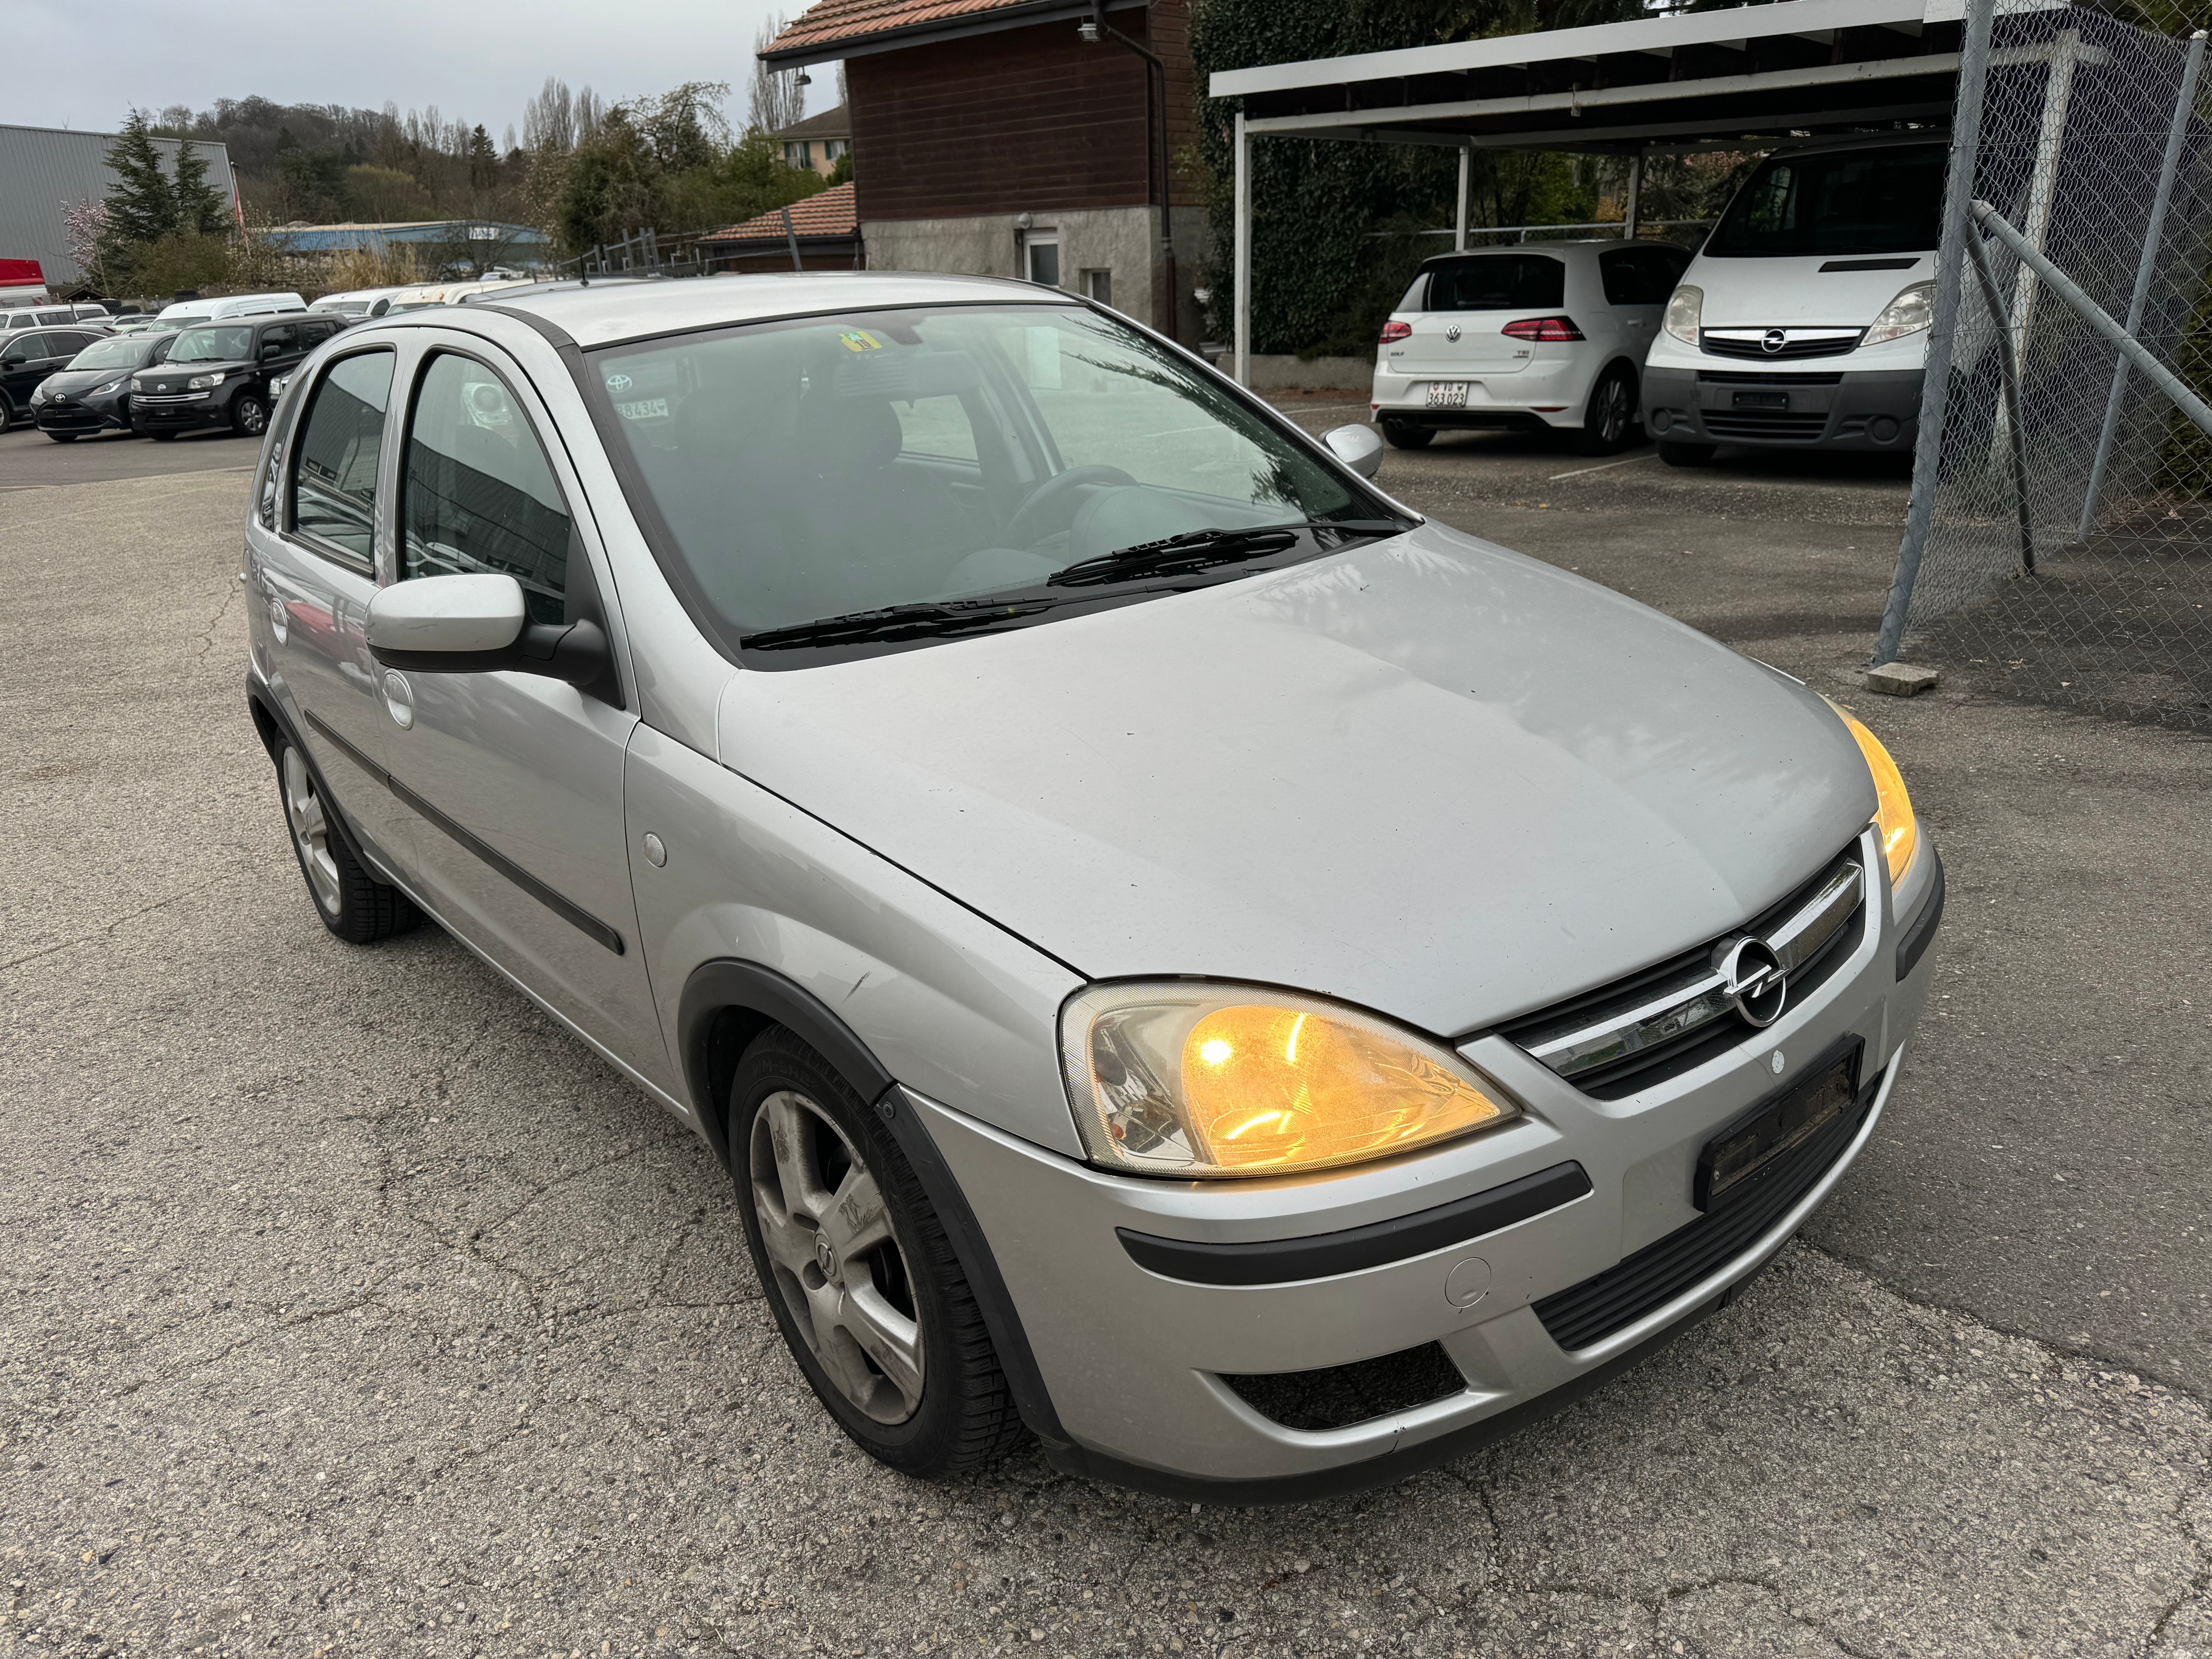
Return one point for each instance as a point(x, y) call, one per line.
point(478, 495)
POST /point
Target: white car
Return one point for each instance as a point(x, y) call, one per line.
point(189, 313)
point(359, 302)
point(1803, 321)
point(1548, 338)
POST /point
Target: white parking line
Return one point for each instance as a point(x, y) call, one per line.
point(1602, 467)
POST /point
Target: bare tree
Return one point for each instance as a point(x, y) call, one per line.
point(778, 100)
point(549, 120)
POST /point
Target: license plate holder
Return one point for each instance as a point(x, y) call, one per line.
point(1448, 394)
point(1732, 1161)
point(1762, 400)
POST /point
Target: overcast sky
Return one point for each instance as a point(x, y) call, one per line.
point(74, 65)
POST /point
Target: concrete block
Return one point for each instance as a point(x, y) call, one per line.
point(1901, 680)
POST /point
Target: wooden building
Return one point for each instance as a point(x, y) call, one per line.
point(1031, 138)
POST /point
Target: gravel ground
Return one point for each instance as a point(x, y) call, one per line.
point(354, 1309)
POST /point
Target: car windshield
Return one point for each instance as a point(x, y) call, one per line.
point(213, 345)
point(1879, 200)
point(829, 465)
point(124, 352)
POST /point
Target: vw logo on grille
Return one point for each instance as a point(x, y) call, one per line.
point(1753, 981)
point(1774, 339)
point(1452, 333)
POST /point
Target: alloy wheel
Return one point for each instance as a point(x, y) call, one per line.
point(311, 831)
point(1612, 412)
point(251, 417)
point(837, 1257)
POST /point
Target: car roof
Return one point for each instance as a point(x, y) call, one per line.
point(601, 315)
point(1581, 244)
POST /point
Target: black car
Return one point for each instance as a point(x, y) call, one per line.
point(218, 373)
point(29, 357)
point(92, 394)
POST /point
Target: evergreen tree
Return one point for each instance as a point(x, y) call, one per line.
point(199, 208)
point(141, 205)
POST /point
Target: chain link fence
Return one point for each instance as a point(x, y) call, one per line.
point(2062, 502)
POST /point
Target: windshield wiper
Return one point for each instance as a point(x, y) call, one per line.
point(1194, 550)
point(926, 620)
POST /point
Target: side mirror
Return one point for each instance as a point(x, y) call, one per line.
point(1359, 447)
point(476, 625)
point(271, 349)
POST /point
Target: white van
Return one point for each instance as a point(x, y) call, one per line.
point(186, 312)
point(359, 303)
point(1802, 322)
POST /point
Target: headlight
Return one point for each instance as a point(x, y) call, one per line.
point(1908, 314)
point(1892, 816)
point(104, 391)
point(202, 382)
point(38, 393)
point(1685, 309)
point(138, 384)
point(1205, 1081)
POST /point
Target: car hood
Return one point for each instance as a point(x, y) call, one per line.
point(1782, 292)
point(1427, 776)
point(71, 382)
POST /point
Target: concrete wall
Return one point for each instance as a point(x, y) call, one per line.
point(1290, 373)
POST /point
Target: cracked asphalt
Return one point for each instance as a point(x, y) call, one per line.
point(350, 1308)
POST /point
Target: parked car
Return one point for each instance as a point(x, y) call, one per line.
point(93, 393)
point(1533, 338)
point(502, 292)
point(218, 374)
point(186, 313)
point(28, 357)
point(358, 303)
point(51, 316)
point(1803, 321)
point(1176, 950)
point(424, 294)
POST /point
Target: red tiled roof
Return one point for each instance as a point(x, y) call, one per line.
point(836, 21)
point(827, 213)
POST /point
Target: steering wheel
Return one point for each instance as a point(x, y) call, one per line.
point(1019, 528)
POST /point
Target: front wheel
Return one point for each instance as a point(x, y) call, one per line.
point(160, 437)
point(863, 1281)
point(249, 415)
point(1686, 454)
point(1402, 436)
point(1612, 413)
point(353, 904)
point(62, 437)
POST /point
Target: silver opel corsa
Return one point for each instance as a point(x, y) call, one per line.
point(1179, 956)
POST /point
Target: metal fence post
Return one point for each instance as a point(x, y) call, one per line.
point(1241, 274)
point(1466, 183)
point(2009, 361)
point(1935, 391)
point(2185, 105)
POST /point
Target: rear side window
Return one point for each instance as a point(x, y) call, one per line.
point(334, 458)
point(479, 494)
point(1496, 282)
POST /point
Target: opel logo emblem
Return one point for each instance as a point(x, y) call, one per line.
point(1752, 981)
point(825, 1255)
point(1452, 333)
point(1775, 338)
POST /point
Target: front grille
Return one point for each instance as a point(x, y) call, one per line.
point(1586, 1313)
point(1733, 377)
point(1655, 1056)
point(1834, 346)
point(1771, 424)
point(1338, 1396)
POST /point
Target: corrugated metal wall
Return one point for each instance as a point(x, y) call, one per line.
point(43, 169)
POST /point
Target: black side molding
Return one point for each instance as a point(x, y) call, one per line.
point(575, 915)
point(1922, 932)
point(1324, 1256)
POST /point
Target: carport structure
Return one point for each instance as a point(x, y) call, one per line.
point(1756, 76)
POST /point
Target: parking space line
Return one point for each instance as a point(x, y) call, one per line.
point(1602, 467)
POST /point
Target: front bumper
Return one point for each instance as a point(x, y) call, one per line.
point(1787, 406)
point(1547, 393)
point(1138, 1363)
point(79, 415)
point(184, 411)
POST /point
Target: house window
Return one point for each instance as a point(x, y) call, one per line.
point(1043, 253)
point(835, 148)
point(1099, 286)
point(794, 154)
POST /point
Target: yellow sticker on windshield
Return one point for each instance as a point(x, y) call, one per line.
point(858, 339)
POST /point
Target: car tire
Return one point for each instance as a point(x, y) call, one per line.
point(1609, 422)
point(62, 437)
point(249, 415)
point(1401, 436)
point(162, 437)
point(1687, 454)
point(6, 415)
point(926, 1394)
point(352, 903)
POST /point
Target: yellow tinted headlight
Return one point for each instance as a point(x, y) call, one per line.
point(1893, 817)
point(1197, 1080)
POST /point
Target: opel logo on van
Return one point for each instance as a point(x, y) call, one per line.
point(1775, 340)
point(1752, 981)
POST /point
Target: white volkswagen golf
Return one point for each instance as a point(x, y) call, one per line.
point(1549, 338)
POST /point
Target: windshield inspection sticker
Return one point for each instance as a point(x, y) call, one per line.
point(858, 339)
point(650, 409)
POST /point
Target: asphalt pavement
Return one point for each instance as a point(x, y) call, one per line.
point(31, 460)
point(352, 1308)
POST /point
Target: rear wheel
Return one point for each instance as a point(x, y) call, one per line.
point(1686, 454)
point(864, 1284)
point(353, 904)
point(1402, 436)
point(7, 414)
point(1611, 417)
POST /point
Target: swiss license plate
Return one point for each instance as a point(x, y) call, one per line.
point(1762, 400)
point(1773, 1129)
point(1448, 394)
